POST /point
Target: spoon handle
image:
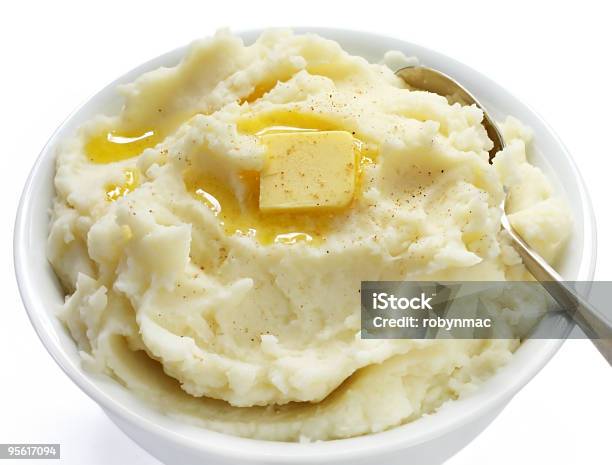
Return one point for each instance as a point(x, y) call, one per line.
point(594, 324)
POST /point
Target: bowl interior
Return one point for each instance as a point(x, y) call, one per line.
point(42, 294)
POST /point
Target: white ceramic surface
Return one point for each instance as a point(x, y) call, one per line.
point(429, 440)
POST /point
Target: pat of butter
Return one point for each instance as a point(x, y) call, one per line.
point(307, 170)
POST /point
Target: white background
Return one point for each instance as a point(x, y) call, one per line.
point(555, 57)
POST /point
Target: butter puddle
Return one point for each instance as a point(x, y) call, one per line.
point(244, 217)
point(124, 142)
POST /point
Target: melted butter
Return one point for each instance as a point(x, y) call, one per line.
point(113, 145)
point(285, 121)
point(244, 217)
point(260, 90)
point(123, 142)
point(131, 181)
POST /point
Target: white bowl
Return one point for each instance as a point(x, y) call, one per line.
point(429, 440)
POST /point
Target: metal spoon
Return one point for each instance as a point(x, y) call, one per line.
point(595, 325)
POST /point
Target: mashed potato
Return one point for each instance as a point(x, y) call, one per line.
point(248, 323)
